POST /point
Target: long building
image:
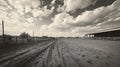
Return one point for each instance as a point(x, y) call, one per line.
point(114, 34)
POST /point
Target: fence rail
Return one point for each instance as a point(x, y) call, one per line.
point(19, 40)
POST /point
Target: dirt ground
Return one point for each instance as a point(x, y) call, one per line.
point(65, 53)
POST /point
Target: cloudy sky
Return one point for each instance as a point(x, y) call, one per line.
point(59, 17)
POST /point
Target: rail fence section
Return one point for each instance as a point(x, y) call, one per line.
point(18, 40)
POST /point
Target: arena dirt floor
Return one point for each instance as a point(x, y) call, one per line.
point(63, 53)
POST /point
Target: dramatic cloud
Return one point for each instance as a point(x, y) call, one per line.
point(88, 21)
point(89, 17)
point(59, 17)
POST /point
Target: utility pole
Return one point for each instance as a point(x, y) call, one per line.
point(3, 31)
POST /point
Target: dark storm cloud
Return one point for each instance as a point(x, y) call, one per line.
point(96, 4)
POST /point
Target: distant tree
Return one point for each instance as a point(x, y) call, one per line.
point(24, 35)
point(44, 36)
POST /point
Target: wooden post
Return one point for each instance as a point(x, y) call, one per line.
point(33, 35)
point(3, 31)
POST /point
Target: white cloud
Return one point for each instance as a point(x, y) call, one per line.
point(53, 2)
point(30, 20)
point(21, 2)
point(43, 12)
point(3, 14)
point(86, 29)
point(59, 22)
point(117, 19)
point(77, 4)
point(36, 4)
point(27, 9)
point(60, 8)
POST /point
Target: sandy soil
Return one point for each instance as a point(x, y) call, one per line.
point(65, 53)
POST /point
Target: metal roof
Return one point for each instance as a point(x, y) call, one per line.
point(106, 30)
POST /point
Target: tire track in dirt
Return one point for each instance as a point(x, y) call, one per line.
point(10, 56)
point(67, 49)
point(61, 52)
point(23, 61)
point(49, 56)
point(61, 58)
point(32, 58)
point(74, 59)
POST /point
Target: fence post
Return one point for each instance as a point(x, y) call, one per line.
point(33, 39)
point(27, 40)
point(22, 41)
point(16, 39)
